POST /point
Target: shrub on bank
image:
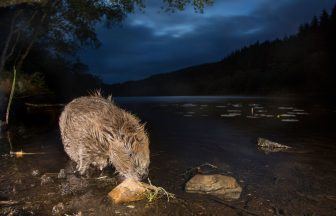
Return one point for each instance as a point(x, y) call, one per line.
point(26, 84)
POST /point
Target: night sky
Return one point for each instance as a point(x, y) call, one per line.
point(156, 42)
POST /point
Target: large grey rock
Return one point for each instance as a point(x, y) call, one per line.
point(219, 185)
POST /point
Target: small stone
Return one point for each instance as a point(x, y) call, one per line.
point(46, 179)
point(35, 172)
point(61, 174)
point(73, 185)
point(219, 185)
point(58, 209)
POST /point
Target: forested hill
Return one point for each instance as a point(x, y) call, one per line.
point(302, 64)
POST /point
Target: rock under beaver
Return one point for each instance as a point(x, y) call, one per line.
point(219, 185)
point(95, 132)
point(128, 191)
point(132, 190)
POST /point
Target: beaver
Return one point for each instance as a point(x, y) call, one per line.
point(97, 132)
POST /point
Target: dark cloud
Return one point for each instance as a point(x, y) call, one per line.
point(156, 42)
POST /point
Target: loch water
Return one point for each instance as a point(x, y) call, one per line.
point(186, 132)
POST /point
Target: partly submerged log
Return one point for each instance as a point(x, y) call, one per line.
point(32, 105)
point(270, 146)
point(50, 111)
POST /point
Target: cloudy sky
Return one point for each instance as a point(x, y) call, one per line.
point(153, 41)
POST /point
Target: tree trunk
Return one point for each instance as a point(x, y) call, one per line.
point(36, 33)
point(26, 52)
point(4, 54)
point(30, 45)
point(10, 97)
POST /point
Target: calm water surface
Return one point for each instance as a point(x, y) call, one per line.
point(186, 132)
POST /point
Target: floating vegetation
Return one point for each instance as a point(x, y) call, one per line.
point(285, 108)
point(290, 120)
point(302, 113)
point(286, 115)
point(254, 105)
point(234, 111)
point(266, 115)
point(298, 110)
point(230, 115)
point(188, 105)
point(258, 107)
point(236, 105)
point(252, 117)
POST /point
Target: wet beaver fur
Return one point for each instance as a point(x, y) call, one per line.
point(96, 132)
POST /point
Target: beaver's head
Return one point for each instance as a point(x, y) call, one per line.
point(130, 155)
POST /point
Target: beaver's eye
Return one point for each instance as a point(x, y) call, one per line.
point(130, 155)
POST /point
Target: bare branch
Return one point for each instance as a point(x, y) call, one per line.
point(9, 3)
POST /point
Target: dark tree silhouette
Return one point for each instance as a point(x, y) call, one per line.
point(303, 64)
point(45, 35)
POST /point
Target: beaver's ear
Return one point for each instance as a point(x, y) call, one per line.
point(142, 126)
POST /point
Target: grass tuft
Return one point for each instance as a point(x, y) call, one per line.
point(154, 192)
